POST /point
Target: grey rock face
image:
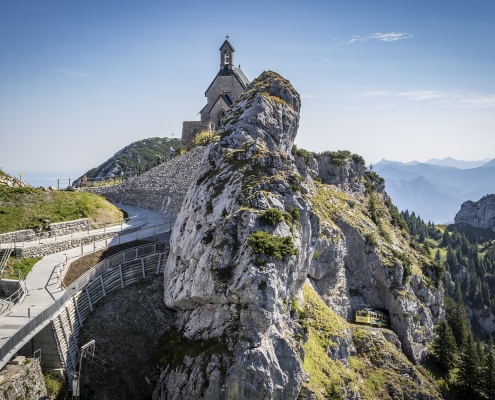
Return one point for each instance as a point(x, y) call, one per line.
point(227, 294)
point(211, 276)
point(480, 214)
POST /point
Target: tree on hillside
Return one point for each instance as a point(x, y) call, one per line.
point(444, 347)
point(468, 376)
point(457, 316)
point(488, 377)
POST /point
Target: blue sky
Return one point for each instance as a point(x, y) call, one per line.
point(401, 80)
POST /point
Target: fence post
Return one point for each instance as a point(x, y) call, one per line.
point(89, 299)
point(159, 263)
point(121, 276)
point(119, 238)
point(102, 286)
point(142, 267)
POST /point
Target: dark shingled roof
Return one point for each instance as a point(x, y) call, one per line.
point(227, 72)
point(232, 47)
point(241, 76)
point(225, 98)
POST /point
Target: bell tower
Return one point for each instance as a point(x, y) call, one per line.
point(226, 55)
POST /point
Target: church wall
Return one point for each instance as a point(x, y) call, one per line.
point(224, 84)
point(191, 128)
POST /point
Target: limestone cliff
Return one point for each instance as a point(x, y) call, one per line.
point(480, 214)
point(259, 222)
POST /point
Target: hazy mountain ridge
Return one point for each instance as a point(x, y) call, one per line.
point(440, 190)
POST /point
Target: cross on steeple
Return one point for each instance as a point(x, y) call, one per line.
point(227, 37)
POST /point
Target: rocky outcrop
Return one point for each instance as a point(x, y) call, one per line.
point(253, 226)
point(163, 188)
point(480, 214)
point(12, 182)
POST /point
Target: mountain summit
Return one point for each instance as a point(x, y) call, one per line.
point(272, 251)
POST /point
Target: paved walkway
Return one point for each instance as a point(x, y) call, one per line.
point(41, 282)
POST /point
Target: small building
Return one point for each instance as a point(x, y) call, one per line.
point(226, 88)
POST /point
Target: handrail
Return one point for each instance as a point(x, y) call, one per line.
point(65, 263)
point(5, 257)
point(48, 312)
point(30, 237)
point(8, 303)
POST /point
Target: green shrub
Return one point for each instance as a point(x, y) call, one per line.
point(273, 246)
point(294, 213)
point(371, 239)
point(55, 385)
point(305, 154)
point(272, 216)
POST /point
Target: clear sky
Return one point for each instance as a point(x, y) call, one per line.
point(401, 80)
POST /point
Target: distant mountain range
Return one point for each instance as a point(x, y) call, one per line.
point(433, 191)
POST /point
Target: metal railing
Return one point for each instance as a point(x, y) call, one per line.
point(51, 310)
point(132, 222)
point(65, 264)
point(5, 257)
point(9, 303)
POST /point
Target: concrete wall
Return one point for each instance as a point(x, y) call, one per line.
point(26, 384)
point(162, 189)
point(8, 287)
point(44, 340)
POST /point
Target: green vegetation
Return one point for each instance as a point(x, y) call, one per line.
point(3, 173)
point(273, 216)
point(11, 270)
point(305, 154)
point(24, 208)
point(136, 155)
point(273, 246)
point(55, 386)
point(372, 372)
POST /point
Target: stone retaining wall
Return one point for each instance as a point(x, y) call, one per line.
point(27, 383)
point(161, 189)
point(11, 236)
point(77, 225)
point(55, 247)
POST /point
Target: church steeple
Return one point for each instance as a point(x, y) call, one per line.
point(226, 54)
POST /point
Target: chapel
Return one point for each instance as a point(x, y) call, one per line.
point(227, 86)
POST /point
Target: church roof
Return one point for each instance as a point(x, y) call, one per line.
point(228, 43)
point(225, 97)
point(237, 73)
point(241, 76)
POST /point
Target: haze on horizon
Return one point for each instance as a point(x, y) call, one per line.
point(81, 80)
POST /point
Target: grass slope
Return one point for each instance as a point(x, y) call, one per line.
point(24, 208)
point(136, 154)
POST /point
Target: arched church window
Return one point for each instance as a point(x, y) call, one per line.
point(226, 57)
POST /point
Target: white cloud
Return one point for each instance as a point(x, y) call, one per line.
point(383, 37)
point(419, 95)
point(376, 93)
point(74, 73)
point(475, 101)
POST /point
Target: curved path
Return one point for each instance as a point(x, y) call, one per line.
point(41, 282)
